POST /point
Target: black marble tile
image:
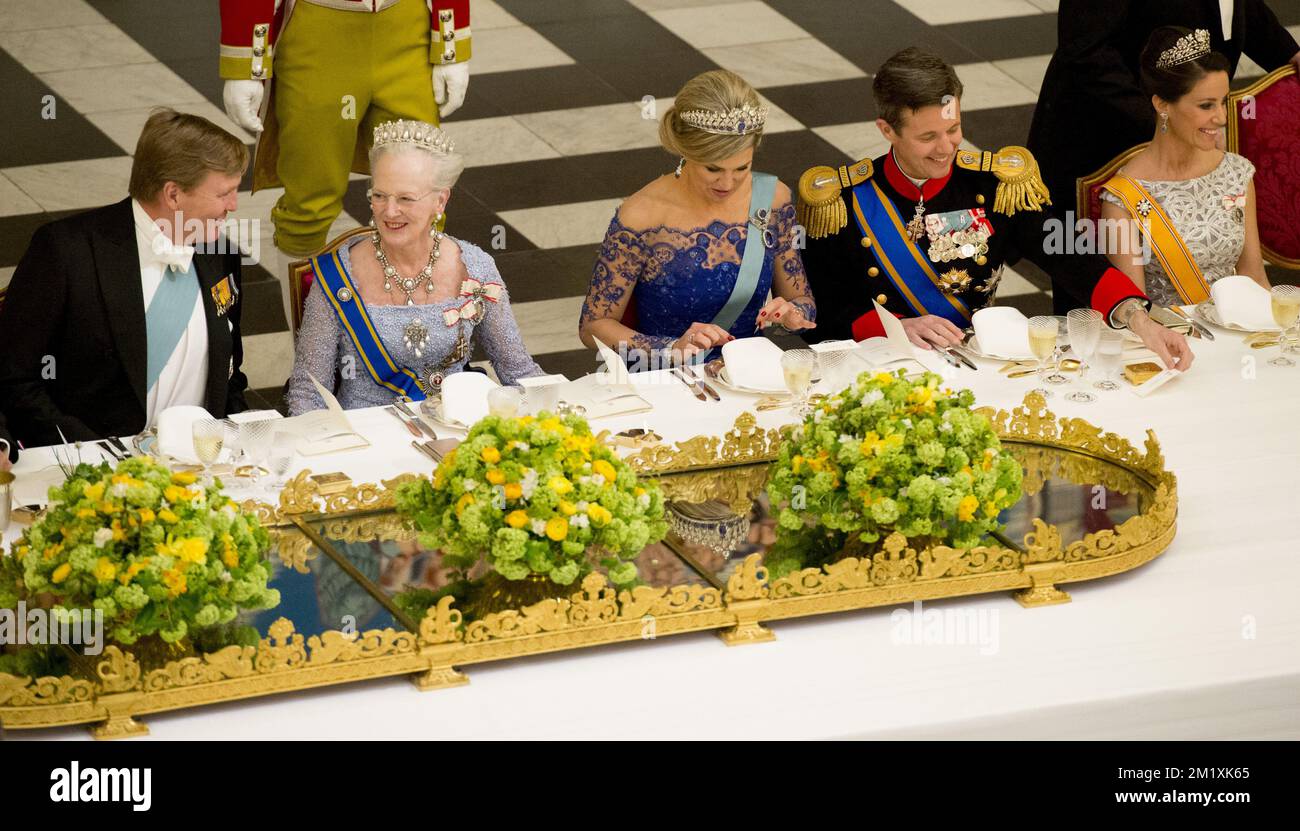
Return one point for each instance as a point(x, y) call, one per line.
point(827, 102)
point(263, 311)
point(995, 128)
point(537, 90)
point(547, 274)
point(1003, 38)
point(1029, 304)
point(40, 127)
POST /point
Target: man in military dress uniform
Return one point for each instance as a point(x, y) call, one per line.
point(926, 229)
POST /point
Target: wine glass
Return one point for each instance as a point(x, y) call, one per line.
point(1110, 346)
point(280, 458)
point(255, 438)
point(1285, 302)
point(1043, 333)
point(209, 437)
point(797, 367)
point(504, 402)
point(1084, 328)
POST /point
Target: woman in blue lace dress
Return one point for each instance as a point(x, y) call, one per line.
point(394, 312)
point(675, 277)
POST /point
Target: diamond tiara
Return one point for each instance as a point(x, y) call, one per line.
point(414, 132)
point(737, 122)
point(1188, 48)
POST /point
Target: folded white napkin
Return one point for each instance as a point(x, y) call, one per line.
point(176, 432)
point(1243, 302)
point(1002, 332)
point(754, 363)
point(249, 416)
point(464, 397)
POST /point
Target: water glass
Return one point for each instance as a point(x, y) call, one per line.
point(1110, 349)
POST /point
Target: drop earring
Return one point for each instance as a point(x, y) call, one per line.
point(372, 221)
point(680, 164)
point(1164, 122)
point(437, 223)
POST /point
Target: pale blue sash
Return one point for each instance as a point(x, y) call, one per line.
point(167, 318)
point(751, 264)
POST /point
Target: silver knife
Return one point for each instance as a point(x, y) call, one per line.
point(419, 421)
point(1196, 324)
point(710, 390)
point(961, 356)
point(426, 451)
point(947, 356)
point(410, 428)
point(696, 391)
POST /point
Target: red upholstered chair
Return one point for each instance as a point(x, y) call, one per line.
point(1264, 126)
point(1088, 190)
point(301, 275)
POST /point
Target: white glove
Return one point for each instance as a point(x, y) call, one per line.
point(243, 99)
point(450, 81)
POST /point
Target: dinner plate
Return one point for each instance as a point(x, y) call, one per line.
point(723, 379)
point(431, 408)
point(1209, 313)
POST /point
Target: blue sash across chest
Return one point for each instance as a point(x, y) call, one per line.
point(346, 301)
point(902, 261)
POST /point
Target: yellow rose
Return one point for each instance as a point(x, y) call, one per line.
point(21, 551)
point(560, 485)
point(147, 515)
point(108, 508)
point(966, 508)
point(514, 491)
point(94, 492)
point(118, 534)
point(567, 508)
point(883, 378)
point(557, 528)
point(465, 500)
point(496, 476)
point(184, 477)
point(61, 573)
point(105, 570)
point(86, 513)
point(168, 517)
point(193, 550)
point(490, 455)
point(605, 469)
point(551, 425)
point(175, 581)
point(599, 514)
point(524, 421)
point(517, 519)
point(175, 494)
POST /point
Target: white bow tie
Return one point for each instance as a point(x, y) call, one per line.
point(174, 257)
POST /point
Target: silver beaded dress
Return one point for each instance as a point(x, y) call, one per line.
point(325, 350)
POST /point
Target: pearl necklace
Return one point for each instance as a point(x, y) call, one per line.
point(408, 285)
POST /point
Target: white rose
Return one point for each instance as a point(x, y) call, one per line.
point(103, 536)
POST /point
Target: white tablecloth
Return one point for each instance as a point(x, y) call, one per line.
point(1202, 642)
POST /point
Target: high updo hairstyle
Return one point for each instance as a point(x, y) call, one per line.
point(717, 91)
point(1171, 83)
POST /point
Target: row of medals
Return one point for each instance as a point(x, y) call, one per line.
point(972, 243)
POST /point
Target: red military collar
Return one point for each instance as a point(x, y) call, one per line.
point(899, 181)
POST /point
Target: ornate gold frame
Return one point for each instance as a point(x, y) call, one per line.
point(599, 613)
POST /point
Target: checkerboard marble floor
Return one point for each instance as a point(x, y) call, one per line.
point(554, 127)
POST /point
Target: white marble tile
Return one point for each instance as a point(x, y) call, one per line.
point(1013, 285)
point(489, 15)
point(987, 87)
point(1028, 71)
point(728, 24)
point(557, 226)
point(124, 126)
point(1047, 5)
point(26, 15)
point(6, 274)
point(783, 63)
point(73, 47)
point(13, 201)
point(937, 12)
point(268, 359)
point(500, 140)
point(628, 126)
point(513, 47)
point(70, 186)
point(863, 140)
point(125, 88)
point(1246, 68)
point(549, 325)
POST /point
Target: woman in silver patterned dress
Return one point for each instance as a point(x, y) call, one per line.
point(1207, 193)
point(428, 297)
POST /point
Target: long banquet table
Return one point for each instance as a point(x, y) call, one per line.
point(1204, 642)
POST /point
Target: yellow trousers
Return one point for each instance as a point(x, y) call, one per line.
point(337, 75)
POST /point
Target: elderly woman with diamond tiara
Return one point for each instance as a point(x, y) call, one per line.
point(690, 260)
point(395, 311)
point(1194, 203)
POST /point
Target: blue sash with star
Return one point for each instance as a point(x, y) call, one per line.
point(900, 258)
point(346, 302)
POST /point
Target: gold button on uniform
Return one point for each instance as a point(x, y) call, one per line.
point(866, 242)
point(873, 271)
point(979, 199)
point(880, 298)
point(981, 260)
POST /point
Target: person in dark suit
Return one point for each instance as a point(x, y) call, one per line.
point(115, 314)
point(1091, 106)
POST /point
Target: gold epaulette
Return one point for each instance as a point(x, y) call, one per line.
point(820, 210)
point(1020, 183)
